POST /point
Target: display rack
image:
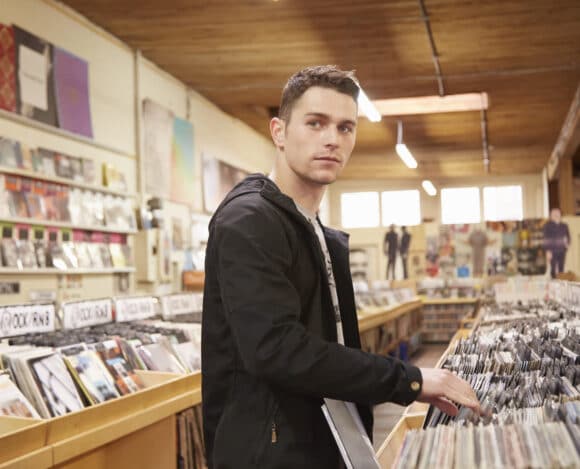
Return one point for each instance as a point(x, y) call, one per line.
point(383, 329)
point(137, 430)
point(64, 181)
point(55, 271)
point(60, 224)
point(60, 132)
point(442, 317)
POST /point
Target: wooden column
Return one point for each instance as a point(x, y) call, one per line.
point(566, 187)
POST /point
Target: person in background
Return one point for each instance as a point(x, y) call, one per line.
point(404, 250)
point(556, 242)
point(390, 248)
point(279, 325)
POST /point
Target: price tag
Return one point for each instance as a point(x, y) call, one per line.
point(26, 319)
point(181, 303)
point(135, 308)
point(87, 313)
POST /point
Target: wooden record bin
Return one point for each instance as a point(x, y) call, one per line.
point(134, 431)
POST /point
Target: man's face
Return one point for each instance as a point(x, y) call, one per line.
point(319, 138)
point(556, 215)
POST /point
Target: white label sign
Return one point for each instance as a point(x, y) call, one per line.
point(87, 313)
point(25, 319)
point(135, 308)
point(182, 303)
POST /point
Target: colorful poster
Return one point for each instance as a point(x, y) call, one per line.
point(218, 179)
point(7, 69)
point(71, 78)
point(34, 78)
point(158, 137)
point(182, 164)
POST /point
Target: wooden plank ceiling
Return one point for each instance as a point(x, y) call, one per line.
point(238, 53)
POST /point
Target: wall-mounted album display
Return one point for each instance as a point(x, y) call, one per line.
point(168, 154)
point(43, 82)
point(218, 179)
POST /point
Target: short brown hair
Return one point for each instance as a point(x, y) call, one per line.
point(326, 76)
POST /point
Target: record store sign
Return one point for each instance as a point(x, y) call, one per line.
point(26, 319)
point(135, 308)
point(174, 305)
point(87, 313)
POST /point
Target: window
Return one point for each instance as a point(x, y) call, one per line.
point(402, 208)
point(359, 209)
point(502, 203)
point(460, 205)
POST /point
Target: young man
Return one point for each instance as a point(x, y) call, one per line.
point(390, 248)
point(280, 329)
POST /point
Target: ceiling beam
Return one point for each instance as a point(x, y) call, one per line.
point(569, 138)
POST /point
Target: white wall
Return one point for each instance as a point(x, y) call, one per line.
point(114, 72)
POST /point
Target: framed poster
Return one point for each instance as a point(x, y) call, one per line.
point(218, 179)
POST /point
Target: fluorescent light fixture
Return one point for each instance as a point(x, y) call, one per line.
point(367, 108)
point(402, 149)
point(406, 155)
point(429, 187)
point(432, 104)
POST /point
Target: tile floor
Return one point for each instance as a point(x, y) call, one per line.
point(387, 415)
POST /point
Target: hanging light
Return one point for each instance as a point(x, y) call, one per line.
point(402, 150)
point(429, 187)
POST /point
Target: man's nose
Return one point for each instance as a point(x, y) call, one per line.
point(331, 136)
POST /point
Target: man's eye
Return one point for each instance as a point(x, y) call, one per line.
point(314, 124)
point(345, 129)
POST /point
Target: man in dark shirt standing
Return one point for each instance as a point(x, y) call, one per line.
point(556, 242)
point(405, 243)
point(390, 248)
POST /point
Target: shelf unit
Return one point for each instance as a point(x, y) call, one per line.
point(60, 132)
point(55, 271)
point(442, 317)
point(63, 181)
point(383, 330)
point(59, 224)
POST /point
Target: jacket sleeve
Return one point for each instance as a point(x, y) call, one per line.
point(263, 310)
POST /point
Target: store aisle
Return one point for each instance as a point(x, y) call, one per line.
point(387, 415)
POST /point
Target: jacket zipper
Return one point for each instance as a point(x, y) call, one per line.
point(274, 433)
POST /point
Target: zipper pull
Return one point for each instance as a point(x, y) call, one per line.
point(274, 434)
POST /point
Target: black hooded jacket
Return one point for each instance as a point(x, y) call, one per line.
point(269, 344)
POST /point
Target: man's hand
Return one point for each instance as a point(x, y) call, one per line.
point(442, 388)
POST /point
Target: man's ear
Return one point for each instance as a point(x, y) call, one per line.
point(277, 130)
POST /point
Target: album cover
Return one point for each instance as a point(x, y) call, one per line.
point(92, 376)
point(12, 402)
point(89, 171)
point(117, 256)
point(75, 207)
point(71, 78)
point(188, 355)
point(17, 204)
point(47, 158)
point(70, 255)
point(63, 165)
point(10, 153)
point(83, 255)
point(10, 253)
point(76, 166)
point(130, 352)
point(7, 68)
point(157, 357)
point(105, 256)
point(35, 205)
point(40, 252)
point(26, 254)
point(61, 203)
point(34, 77)
point(125, 378)
point(95, 255)
point(26, 161)
point(56, 257)
point(56, 384)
